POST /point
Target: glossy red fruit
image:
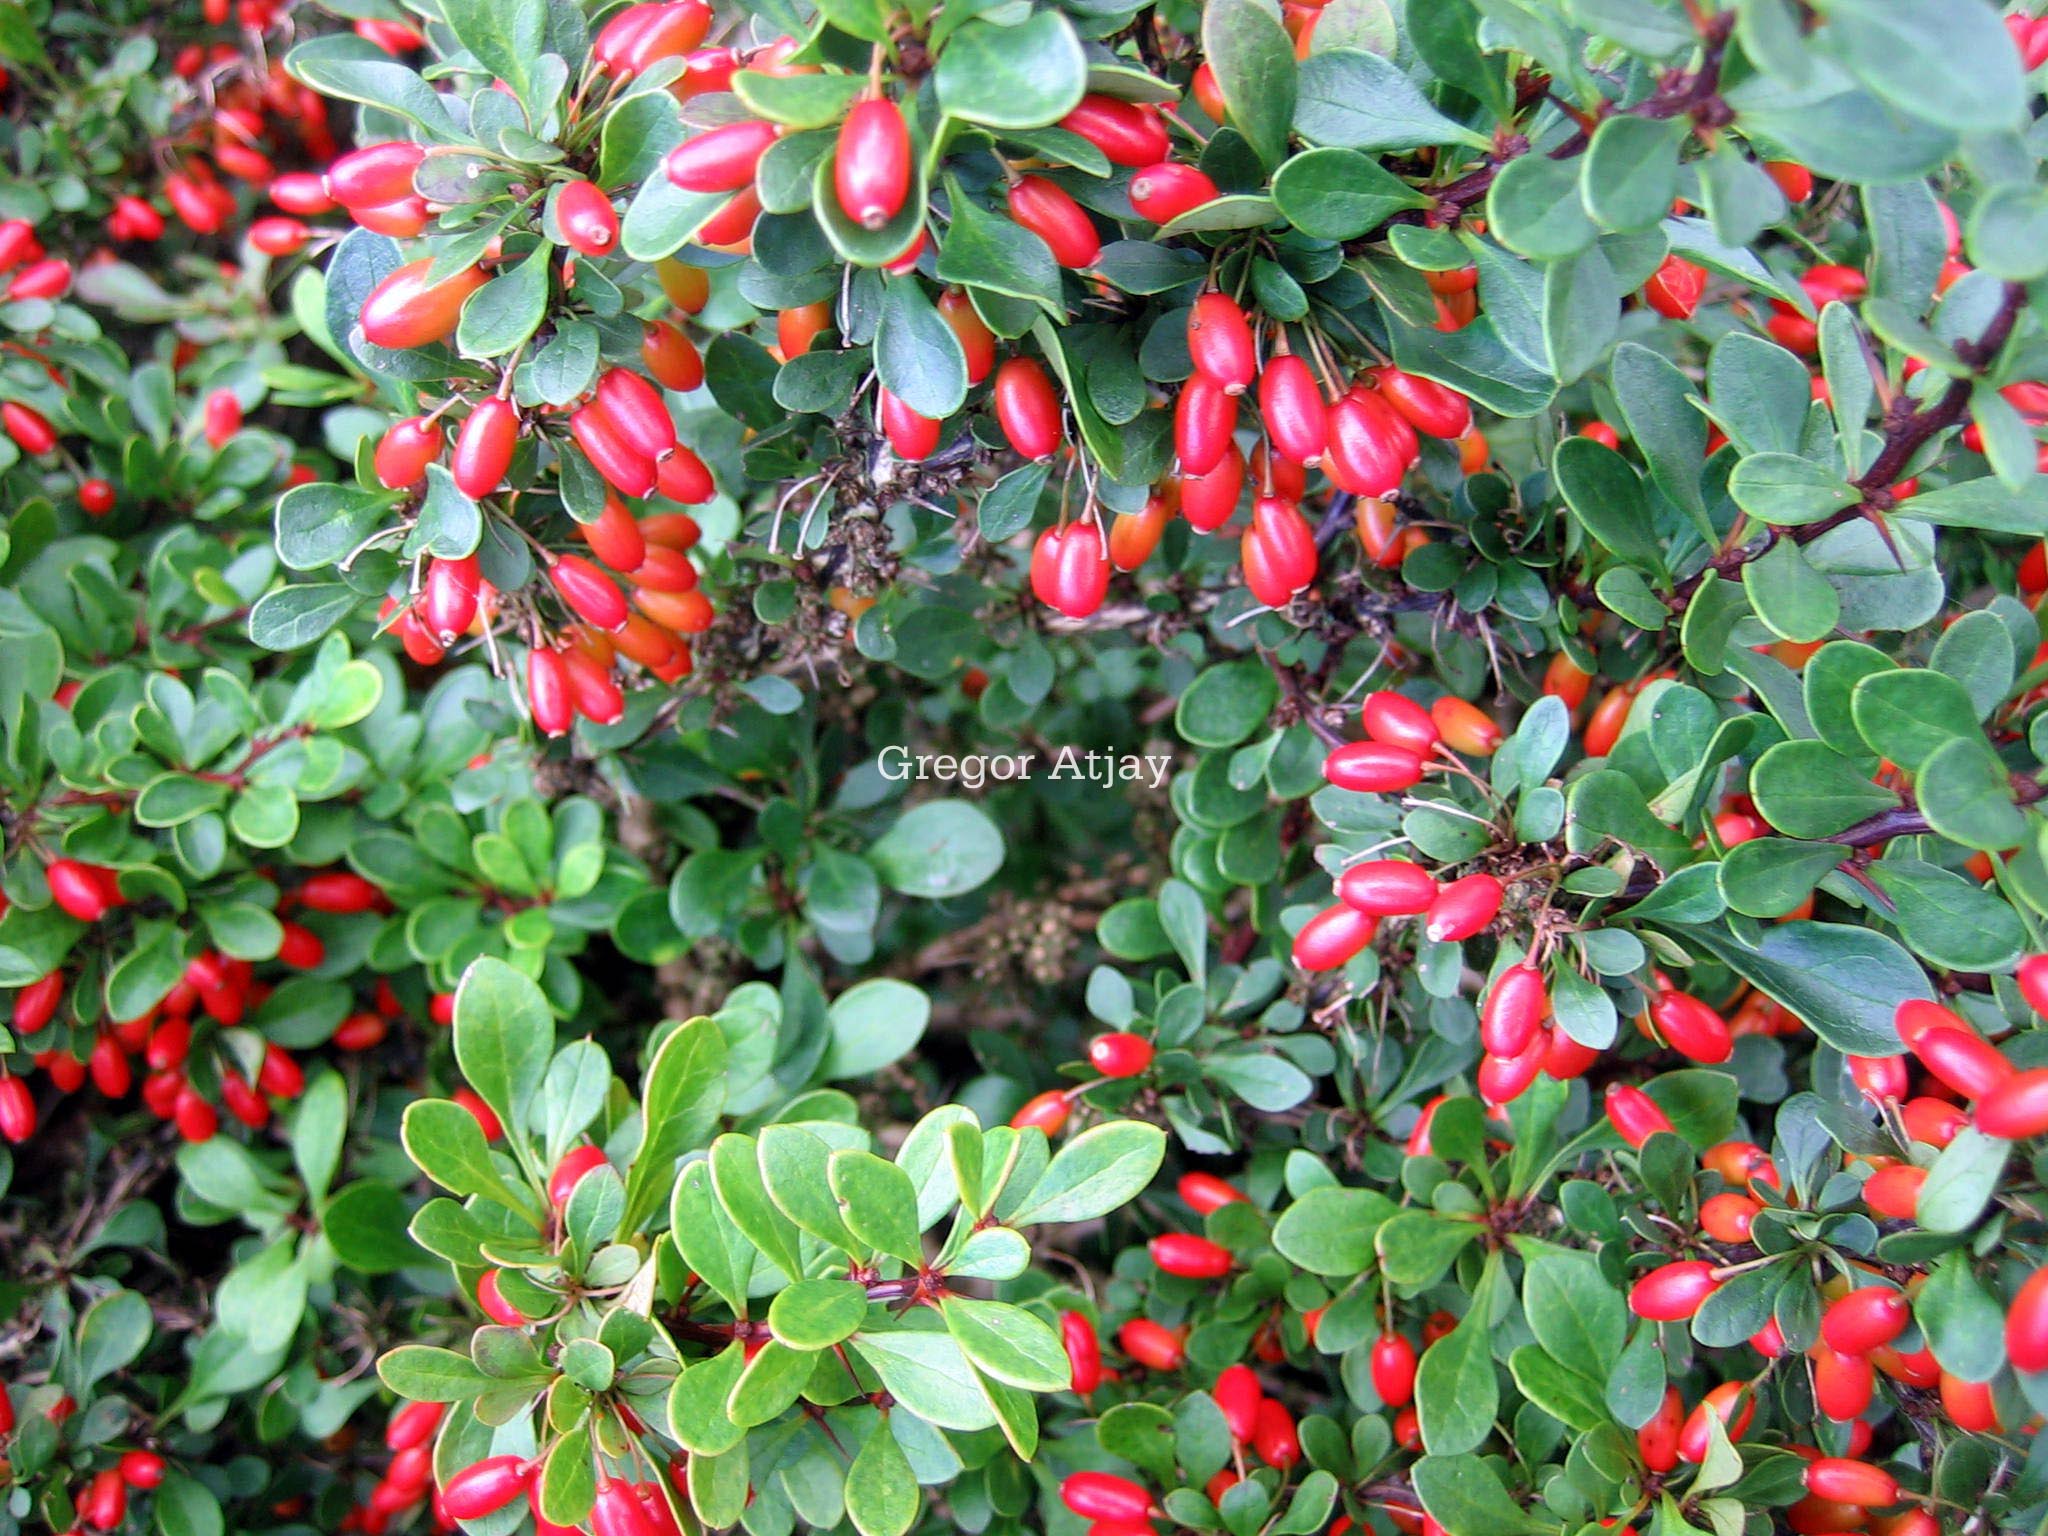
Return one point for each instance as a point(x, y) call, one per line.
point(1275, 1438)
point(589, 223)
point(1238, 1394)
point(624, 468)
point(1673, 1291)
point(1657, 1439)
point(278, 236)
point(1048, 211)
point(28, 427)
point(220, 417)
point(404, 312)
point(195, 1119)
point(1104, 1496)
point(1674, 289)
point(1393, 1369)
point(721, 159)
point(1220, 343)
point(80, 890)
point(590, 594)
point(547, 691)
point(1466, 728)
point(2016, 1108)
point(593, 692)
point(1963, 1059)
point(109, 1067)
point(1204, 421)
point(1426, 405)
point(1387, 888)
point(1851, 1482)
point(405, 450)
point(1726, 1218)
point(1292, 407)
point(484, 447)
point(2033, 980)
point(1503, 1079)
point(1720, 1402)
point(1970, 1405)
point(683, 477)
point(299, 948)
point(1027, 408)
point(105, 1502)
point(1366, 455)
point(1462, 908)
point(1084, 1351)
point(1843, 1384)
point(141, 1469)
point(280, 1075)
point(448, 602)
point(2026, 1324)
point(976, 340)
point(638, 412)
point(912, 437)
point(1208, 501)
point(1163, 192)
point(1332, 937)
point(46, 279)
point(1127, 133)
point(95, 497)
point(494, 1304)
point(1120, 1055)
point(1691, 1028)
point(871, 172)
point(1399, 721)
point(1204, 1192)
point(1047, 1111)
point(1278, 552)
point(1894, 1192)
point(616, 537)
point(1372, 767)
point(671, 357)
point(374, 175)
point(17, 1110)
point(485, 1487)
point(1190, 1256)
point(1864, 1319)
point(1514, 1010)
point(1134, 535)
point(36, 1004)
point(1070, 569)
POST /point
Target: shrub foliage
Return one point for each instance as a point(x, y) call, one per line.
point(1209, 767)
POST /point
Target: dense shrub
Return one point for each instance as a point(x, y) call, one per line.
point(1024, 766)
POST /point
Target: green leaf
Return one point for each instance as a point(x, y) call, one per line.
point(1605, 494)
point(428, 1374)
point(1807, 789)
point(1534, 208)
point(1094, 1173)
point(1348, 99)
point(881, 1488)
point(1966, 794)
point(292, 618)
point(1845, 983)
point(681, 1100)
point(1629, 173)
point(1025, 76)
point(1670, 432)
point(1785, 490)
point(983, 250)
point(505, 35)
point(1575, 1311)
point(929, 1375)
point(816, 1314)
point(1331, 1230)
point(1253, 60)
point(1962, 1181)
point(877, 1202)
point(916, 353)
point(1911, 53)
point(1961, 1320)
point(1909, 714)
point(504, 1036)
point(1792, 598)
point(1008, 1343)
point(940, 849)
point(1456, 1392)
point(873, 1024)
point(1226, 704)
point(112, 1334)
point(1339, 194)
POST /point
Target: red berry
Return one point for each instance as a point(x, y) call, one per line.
point(1462, 908)
point(1070, 569)
point(1332, 937)
point(1047, 1111)
point(141, 1469)
point(1084, 1351)
point(1720, 1402)
point(912, 438)
point(1962, 1059)
point(17, 1110)
point(1190, 1256)
point(403, 312)
point(413, 1424)
point(1120, 1055)
point(1691, 1028)
point(2016, 1108)
point(1514, 1010)
point(1220, 343)
point(590, 594)
point(1674, 289)
point(1238, 1393)
point(547, 691)
point(1204, 1192)
point(484, 447)
point(1393, 1369)
point(1372, 767)
point(1851, 1482)
point(1027, 409)
point(1051, 213)
point(574, 1164)
point(1862, 1320)
point(1292, 407)
point(722, 159)
point(1128, 134)
point(1163, 192)
point(485, 1487)
point(1657, 1439)
point(1387, 888)
point(2026, 1324)
point(1398, 721)
point(872, 170)
point(1204, 419)
point(374, 175)
point(1104, 1496)
point(1674, 1291)
point(588, 221)
point(1278, 552)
